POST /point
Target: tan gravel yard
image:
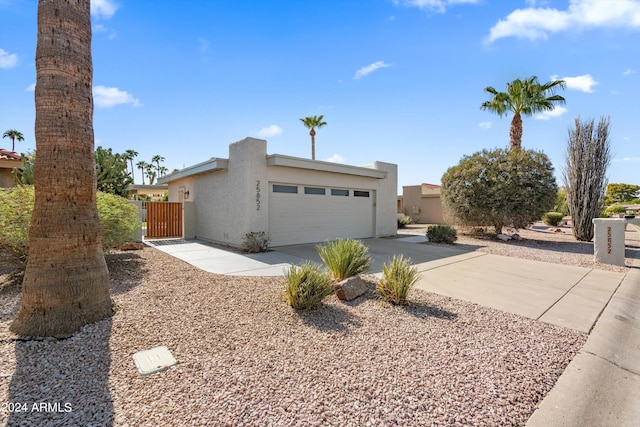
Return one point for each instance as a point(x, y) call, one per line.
point(245, 358)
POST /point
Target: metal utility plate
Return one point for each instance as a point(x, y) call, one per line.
point(153, 360)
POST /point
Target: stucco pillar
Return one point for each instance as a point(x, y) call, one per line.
point(608, 244)
point(248, 178)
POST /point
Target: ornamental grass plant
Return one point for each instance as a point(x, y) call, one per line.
point(306, 286)
point(398, 277)
point(345, 258)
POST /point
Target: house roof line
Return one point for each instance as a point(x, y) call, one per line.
point(319, 165)
point(211, 165)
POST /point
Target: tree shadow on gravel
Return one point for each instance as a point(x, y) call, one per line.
point(62, 382)
point(330, 318)
point(126, 271)
point(421, 310)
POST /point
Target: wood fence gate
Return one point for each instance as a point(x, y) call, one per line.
point(164, 219)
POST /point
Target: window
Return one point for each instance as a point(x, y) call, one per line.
point(285, 189)
point(357, 193)
point(339, 192)
point(314, 190)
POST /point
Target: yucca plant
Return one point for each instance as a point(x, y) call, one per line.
point(398, 277)
point(345, 258)
point(306, 286)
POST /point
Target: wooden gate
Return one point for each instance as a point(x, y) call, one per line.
point(164, 219)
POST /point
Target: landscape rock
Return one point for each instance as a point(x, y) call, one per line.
point(351, 288)
point(504, 237)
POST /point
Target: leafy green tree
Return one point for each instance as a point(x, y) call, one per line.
point(129, 155)
point(14, 135)
point(620, 193)
point(111, 172)
point(561, 205)
point(499, 188)
point(313, 122)
point(523, 97)
point(585, 176)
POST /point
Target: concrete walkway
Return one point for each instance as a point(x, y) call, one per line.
point(600, 387)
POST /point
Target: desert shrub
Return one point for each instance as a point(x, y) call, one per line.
point(634, 202)
point(398, 277)
point(552, 218)
point(16, 205)
point(588, 157)
point(345, 258)
point(256, 241)
point(404, 221)
point(615, 209)
point(118, 219)
point(306, 286)
point(442, 234)
point(499, 188)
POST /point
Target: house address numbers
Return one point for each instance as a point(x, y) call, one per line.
point(257, 194)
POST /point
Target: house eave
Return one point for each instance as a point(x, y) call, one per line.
point(318, 165)
point(208, 166)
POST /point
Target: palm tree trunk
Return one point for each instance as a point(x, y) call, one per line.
point(313, 143)
point(515, 133)
point(66, 283)
point(13, 143)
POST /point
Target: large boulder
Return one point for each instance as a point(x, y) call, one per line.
point(351, 288)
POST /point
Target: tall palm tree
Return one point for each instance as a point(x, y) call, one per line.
point(142, 165)
point(151, 174)
point(523, 97)
point(313, 122)
point(129, 155)
point(13, 134)
point(157, 159)
point(66, 282)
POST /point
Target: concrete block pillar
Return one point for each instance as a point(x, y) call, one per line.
point(608, 245)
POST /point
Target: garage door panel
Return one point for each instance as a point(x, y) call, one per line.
point(305, 218)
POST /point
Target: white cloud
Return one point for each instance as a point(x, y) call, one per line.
point(584, 83)
point(336, 158)
point(485, 125)
point(31, 87)
point(103, 9)
point(269, 131)
point(8, 60)
point(108, 97)
point(628, 72)
point(556, 112)
point(536, 23)
point(435, 5)
point(370, 69)
point(99, 28)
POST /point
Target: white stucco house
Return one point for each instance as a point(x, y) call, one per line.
point(295, 200)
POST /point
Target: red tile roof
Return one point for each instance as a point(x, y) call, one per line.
point(8, 155)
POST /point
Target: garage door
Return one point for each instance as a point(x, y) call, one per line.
point(306, 214)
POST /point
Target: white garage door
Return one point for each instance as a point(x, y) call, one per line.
point(306, 214)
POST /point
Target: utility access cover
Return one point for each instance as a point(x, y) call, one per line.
point(153, 360)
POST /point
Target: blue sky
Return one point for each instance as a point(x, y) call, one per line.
point(399, 81)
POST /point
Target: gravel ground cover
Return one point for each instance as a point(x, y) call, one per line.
point(245, 358)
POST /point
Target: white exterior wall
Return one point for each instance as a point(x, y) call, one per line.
point(232, 198)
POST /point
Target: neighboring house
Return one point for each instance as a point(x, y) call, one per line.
point(422, 203)
point(8, 161)
point(141, 191)
point(295, 200)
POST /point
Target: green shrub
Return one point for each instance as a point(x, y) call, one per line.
point(118, 219)
point(615, 209)
point(552, 218)
point(345, 258)
point(398, 277)
point(403, 221)
point(306, 286)
point(16, 205)
point(442, 234)
point(256, 241)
